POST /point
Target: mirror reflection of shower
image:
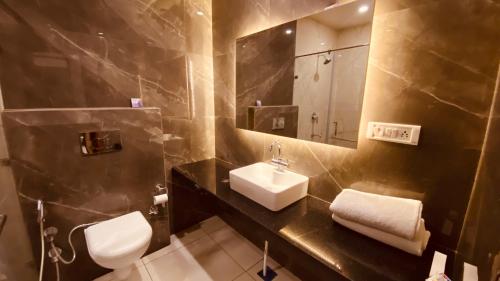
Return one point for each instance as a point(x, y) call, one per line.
point(328, 85)
point(312, 90)
point(315, 121)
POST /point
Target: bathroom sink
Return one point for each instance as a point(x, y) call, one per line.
point(271, 188)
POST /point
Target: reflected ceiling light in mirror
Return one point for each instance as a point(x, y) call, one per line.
point(363, 9)
point(199, 13)
point(289, 31)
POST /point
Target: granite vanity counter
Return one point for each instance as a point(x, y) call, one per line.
point(308, 226)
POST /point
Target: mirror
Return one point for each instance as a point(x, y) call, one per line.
point(305, 79)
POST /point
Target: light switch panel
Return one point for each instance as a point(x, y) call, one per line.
point(400, 133)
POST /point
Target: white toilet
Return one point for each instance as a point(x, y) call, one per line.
point(119, 242)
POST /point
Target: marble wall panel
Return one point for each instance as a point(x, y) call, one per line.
point(47, 164)
point(479, 243)
point(261, 119)
point(425, 67)
point(79, 59)
point(102, 53)
point(16, 258)
point(265, 69)
point(99, 54)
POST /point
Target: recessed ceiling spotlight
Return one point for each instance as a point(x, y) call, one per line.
point(322, 43)
point(288, 31)
point(363, 9)
point(199, 13)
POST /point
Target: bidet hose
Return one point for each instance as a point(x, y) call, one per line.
point(43, 251)
point(73, 257)
point(58, 275)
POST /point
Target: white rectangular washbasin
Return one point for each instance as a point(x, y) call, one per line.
point(264, 184)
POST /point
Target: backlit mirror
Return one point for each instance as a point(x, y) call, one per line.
point(305, 79)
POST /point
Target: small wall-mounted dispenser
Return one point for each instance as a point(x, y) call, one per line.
point(160, 197)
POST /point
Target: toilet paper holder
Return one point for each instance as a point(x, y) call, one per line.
point(159, 188)
point(160, 196)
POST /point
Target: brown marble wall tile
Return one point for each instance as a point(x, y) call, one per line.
point(101, 53)
point(16, 258)
point(479, 243)
point(47, 164)
point(423, 69)
point(78, 59)
point(272, 84)
point(260, 119)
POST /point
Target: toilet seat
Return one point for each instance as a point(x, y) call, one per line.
point(119, 242)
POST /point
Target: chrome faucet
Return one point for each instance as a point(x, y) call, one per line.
point(279, 161)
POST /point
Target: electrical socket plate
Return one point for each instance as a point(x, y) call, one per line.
point(278, 123)
point(400, 133)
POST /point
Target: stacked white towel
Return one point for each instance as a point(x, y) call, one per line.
point(394, 221)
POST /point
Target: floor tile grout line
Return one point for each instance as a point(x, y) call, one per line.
point(183, 245)
point(176, 249)
point(149, 273)
point(244, 270)
point(255, 264)
point(220, 246)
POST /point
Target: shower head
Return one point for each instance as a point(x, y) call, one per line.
point(327, 59)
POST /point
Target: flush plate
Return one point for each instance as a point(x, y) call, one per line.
point(399, 133)
point(98, 142)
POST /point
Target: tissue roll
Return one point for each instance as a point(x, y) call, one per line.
point(160, 199)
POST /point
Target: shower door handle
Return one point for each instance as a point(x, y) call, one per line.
point(3, 219)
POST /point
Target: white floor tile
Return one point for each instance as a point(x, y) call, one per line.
point(194, 256)
point(212, 224)
point(244, 277)
point(177, 241)
point(238, 247)
point(198, 261)
point(139, 273)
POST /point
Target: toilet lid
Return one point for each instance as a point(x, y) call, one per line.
point(118, 236)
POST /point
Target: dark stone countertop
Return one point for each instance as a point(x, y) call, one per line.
point(307, 224)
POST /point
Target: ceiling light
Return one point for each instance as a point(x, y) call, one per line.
point(322, 43)
point(199, 13)
point(288, 31)
point(363, 9)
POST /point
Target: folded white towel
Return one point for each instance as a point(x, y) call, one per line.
point(397, 216)
point(414, 247)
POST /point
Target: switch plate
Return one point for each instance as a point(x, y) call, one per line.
point(400, 133)
point(278, 123)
